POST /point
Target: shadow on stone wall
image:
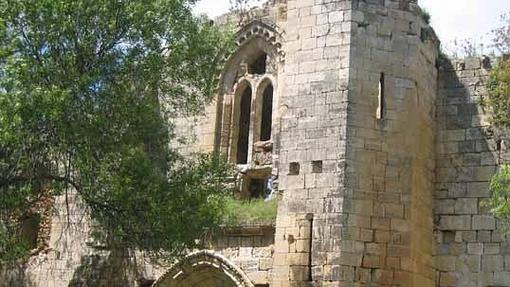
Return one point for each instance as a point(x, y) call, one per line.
point(470, 243)
point(15, 276)
point(111, 269)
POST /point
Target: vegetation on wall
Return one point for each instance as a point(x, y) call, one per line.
point(250, 212)
point(499, 202)
point(497, 103)
point(498, 96)
point(88, 91)
point(424, 14)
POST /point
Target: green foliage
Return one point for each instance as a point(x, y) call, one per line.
point(498, 98)
point(252, 212)
point(424, 14)
point(499, 202)
point(498, 104)
point(88, 90)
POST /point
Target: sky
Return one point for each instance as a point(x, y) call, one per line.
point(453, 20)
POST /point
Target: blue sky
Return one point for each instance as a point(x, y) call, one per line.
point(452, 19)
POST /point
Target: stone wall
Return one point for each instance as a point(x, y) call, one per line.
point(71, 258)
point(312, 141)
point(387, 203)
point(470, 246)
point(74, 259)
point(196, 134)
point(250, 248)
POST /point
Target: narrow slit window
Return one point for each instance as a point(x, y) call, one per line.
point(309, 217)
point(267, 114)
point(381, 98)
point(244, 127)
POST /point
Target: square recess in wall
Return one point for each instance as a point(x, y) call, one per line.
point(294, 168)
point(317, 166)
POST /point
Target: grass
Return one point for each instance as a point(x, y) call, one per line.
point(250, 212)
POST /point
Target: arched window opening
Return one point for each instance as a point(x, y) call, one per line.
point(244, 127)
point(259, 65)
point(267, 114)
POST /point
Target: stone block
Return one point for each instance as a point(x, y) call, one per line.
point(492, 263)
point(472, 262)
point(455, 222)
point(445, 263)
point(448, 279)
point(484, 236)
point(478, 189)
point(475, 248)
point(484, 222)
point(491, 248)
point(372, 261)
point(466, 206)
point(502, 278)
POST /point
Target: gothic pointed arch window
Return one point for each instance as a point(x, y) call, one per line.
point(266, 117)
point(244, 126)
point(247, 99)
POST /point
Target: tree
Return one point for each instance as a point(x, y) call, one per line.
point(88, 90)
point(502, 35)
point(498, 99)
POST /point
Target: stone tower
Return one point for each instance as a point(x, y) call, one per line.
point(360, 87)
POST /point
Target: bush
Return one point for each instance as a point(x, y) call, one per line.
point(424, 14)
point(499, 203)
point(498, 98)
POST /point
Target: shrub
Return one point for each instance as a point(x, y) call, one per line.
point(498, 96)
point(424, 14)
point(499, 203)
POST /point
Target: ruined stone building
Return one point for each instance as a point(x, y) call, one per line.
point(377, 149)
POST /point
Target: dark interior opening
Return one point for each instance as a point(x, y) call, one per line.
point(267, 114)
point(257, 188)
point(144, 282)
point(244, 127)
point(258, 66)
point(294, 168)
point(30, 230)
point(317, 166)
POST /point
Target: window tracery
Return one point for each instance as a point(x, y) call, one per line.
point(247, 100)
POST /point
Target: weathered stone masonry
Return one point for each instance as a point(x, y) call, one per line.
point(380, 154)
point(471, 249)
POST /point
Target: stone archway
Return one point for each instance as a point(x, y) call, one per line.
point(204, 268)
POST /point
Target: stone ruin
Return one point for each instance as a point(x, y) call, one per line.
point(378, 150)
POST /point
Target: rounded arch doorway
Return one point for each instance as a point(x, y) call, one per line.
point(204, 268)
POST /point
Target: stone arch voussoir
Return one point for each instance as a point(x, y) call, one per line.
point(197, 262)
